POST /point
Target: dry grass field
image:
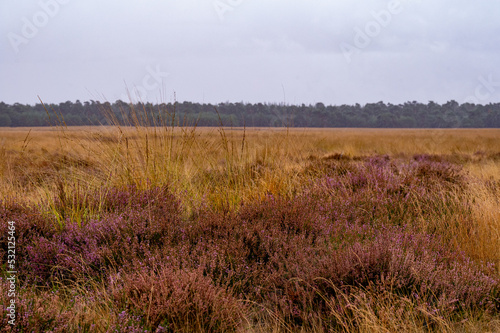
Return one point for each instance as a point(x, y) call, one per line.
point(165, 229)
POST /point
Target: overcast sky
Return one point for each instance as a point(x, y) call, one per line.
point(292, 51)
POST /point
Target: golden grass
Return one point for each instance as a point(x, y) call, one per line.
point(134, 154)
point(484, 239)
point(221, 166)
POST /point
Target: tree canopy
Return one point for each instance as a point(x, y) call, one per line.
point(381, 115)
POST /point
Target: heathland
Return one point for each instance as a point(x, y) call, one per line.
point(163, 229)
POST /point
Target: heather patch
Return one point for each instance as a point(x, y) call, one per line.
point(351, 241)
point(178, 300)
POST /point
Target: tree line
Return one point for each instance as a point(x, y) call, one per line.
point(381, 115)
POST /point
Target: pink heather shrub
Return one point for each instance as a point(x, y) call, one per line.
point(285, 264)
point(30, 225)
point(382, 191)
point(177, 300)
point(28, 317)
point(134, 224)
point(131, 324)
point(40, 311)
point(353, 228)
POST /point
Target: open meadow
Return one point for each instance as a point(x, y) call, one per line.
point(184, 229)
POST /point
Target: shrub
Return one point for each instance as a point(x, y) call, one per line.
point(177, 300)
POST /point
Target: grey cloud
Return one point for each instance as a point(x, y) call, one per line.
point(430, 50)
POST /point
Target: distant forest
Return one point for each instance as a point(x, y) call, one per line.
point(382, 115)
